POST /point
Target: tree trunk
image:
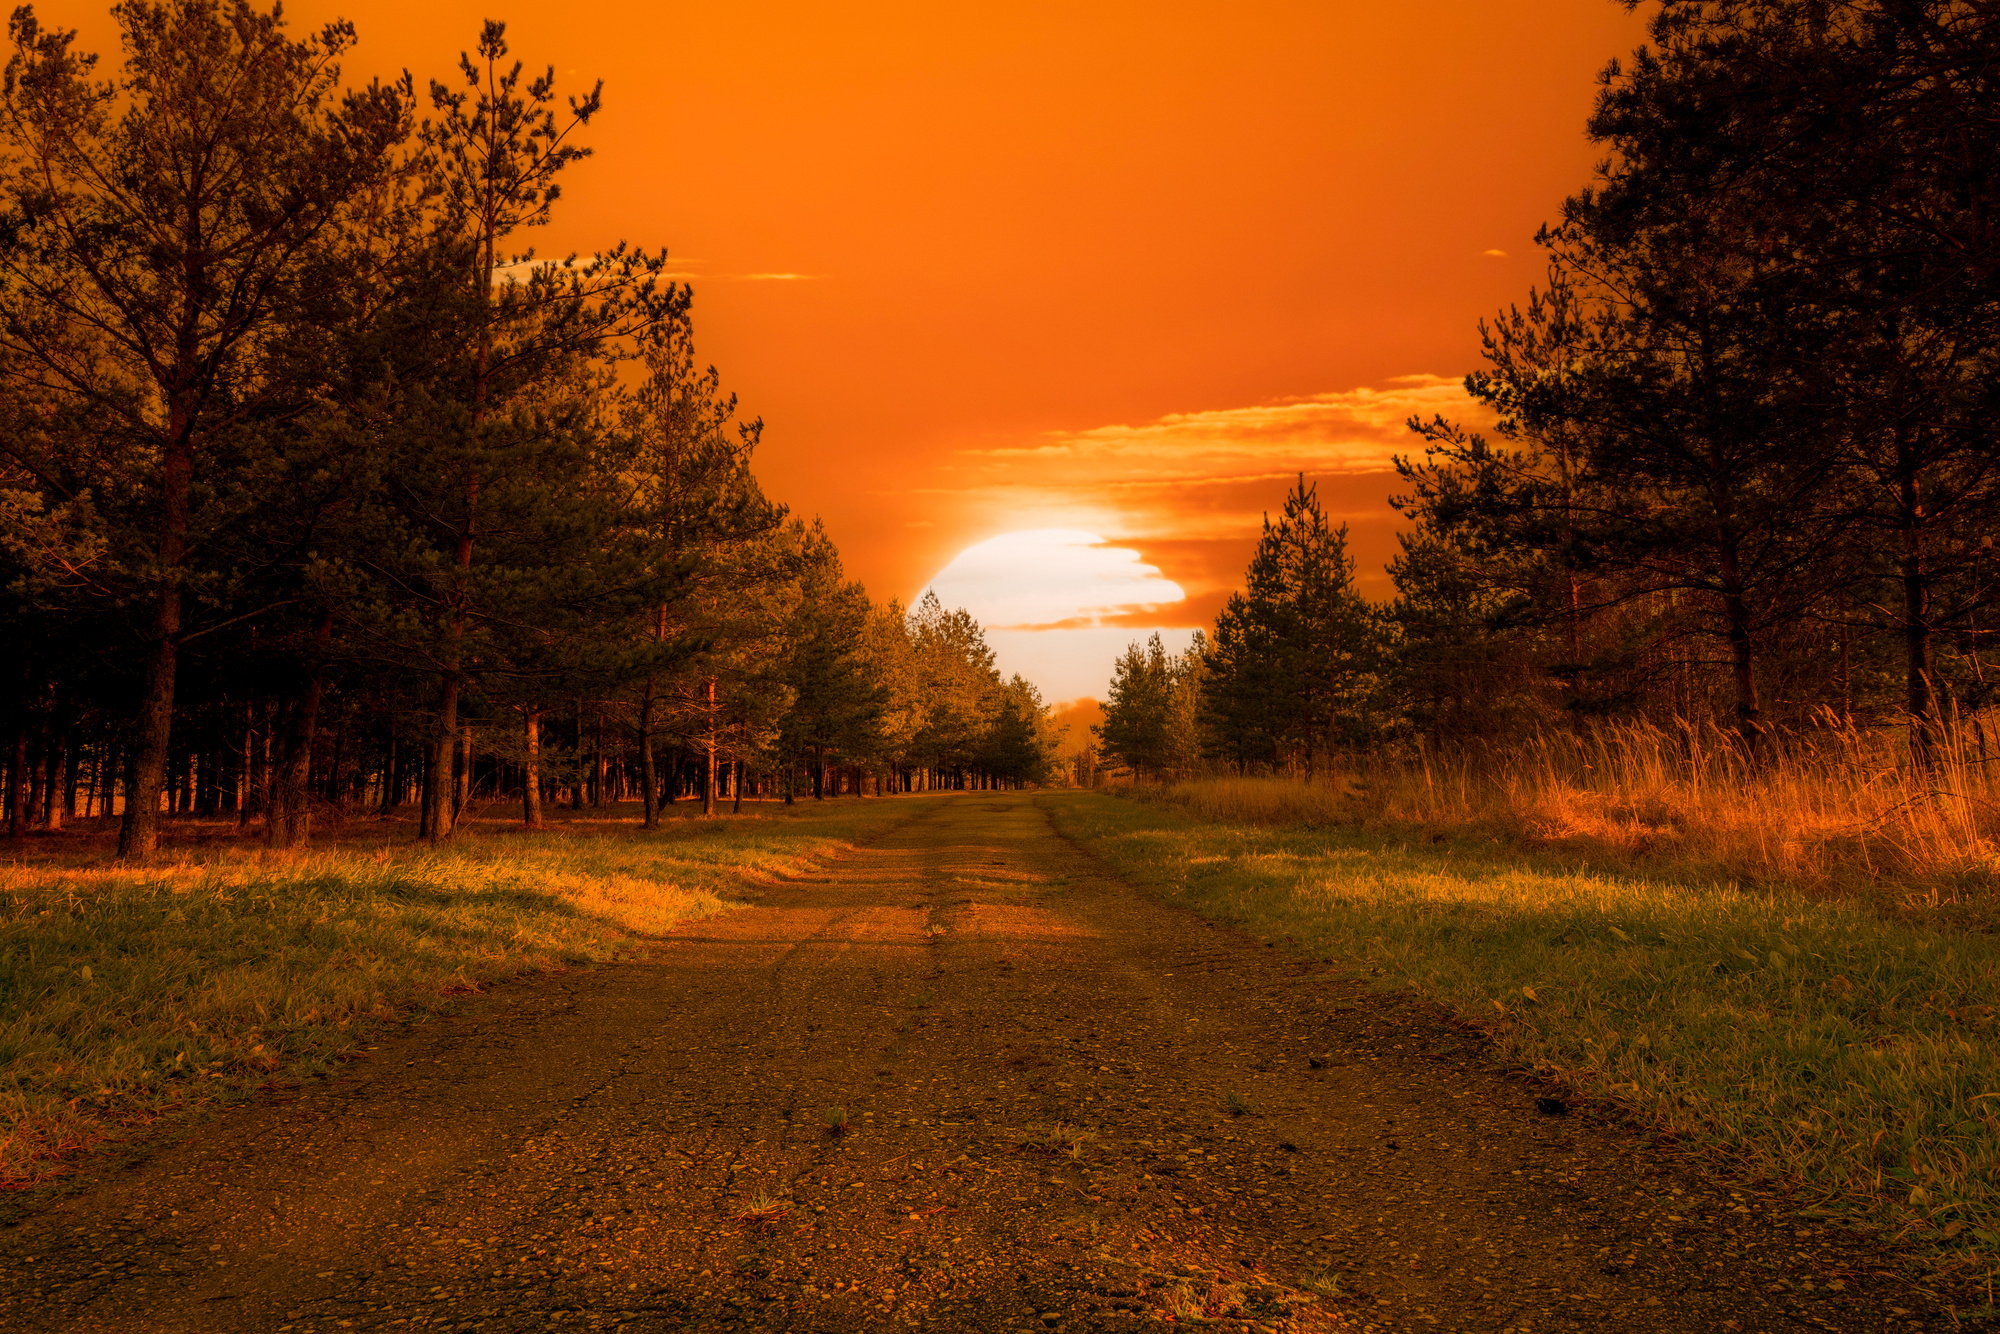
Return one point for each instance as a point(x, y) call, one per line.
point(336, 781)
point(576, 793)
point(1919, 685)
point(438, 812)
point(531, 770)
point(71, 777)
point(392, 779)
point(245, 761)
point(708, 746)
point(146, 769)
point(462, 790)
point(287, 826)
point(153, 726)
point(17, 785)
point(649, 769)
point(597, 770)
point(55, 766)
point(97, 800)
point(1743, 673)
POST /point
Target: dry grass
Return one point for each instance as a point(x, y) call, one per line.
point(761, 1210)
point(1808, 1037)
point(1833, 808)
point(129, 992)
point(1060, 1138)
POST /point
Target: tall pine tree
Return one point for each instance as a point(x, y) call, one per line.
point(1293, 673)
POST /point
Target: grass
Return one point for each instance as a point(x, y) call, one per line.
point(1833, 809)
point(131, 992)
point(1060, 1138)
point(761, 1210)
point(1815, 1042)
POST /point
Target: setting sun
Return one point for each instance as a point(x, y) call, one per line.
point(1058, 603)
point(1051, 579)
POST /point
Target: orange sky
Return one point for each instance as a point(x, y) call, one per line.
point(1060, 259)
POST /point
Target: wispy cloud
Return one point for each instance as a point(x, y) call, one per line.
point(680, 270)
point(1351, 431)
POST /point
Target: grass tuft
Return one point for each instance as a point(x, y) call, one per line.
point(1060, 1138)
point(761, 1210)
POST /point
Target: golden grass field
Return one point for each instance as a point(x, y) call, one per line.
point(1837, 810)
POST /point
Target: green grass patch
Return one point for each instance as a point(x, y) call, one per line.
point(129, 992)
point(1851, 1057)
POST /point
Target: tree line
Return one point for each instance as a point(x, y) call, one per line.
point(321, 491)
point(1743, 464)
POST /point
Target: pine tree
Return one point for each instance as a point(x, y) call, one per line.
point(1292, 674)
point(1018, 748)
point(1138, 710)
point(836, 703)
point(703, 524)
point(1834, 165)
point(528, 332)
point(164, 228)
point(957, 685)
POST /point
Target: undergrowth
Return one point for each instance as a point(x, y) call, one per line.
point(1834, 810)
point(1814, 1042)
point(127, 992)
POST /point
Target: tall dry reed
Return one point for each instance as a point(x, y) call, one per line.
point(1832, 805)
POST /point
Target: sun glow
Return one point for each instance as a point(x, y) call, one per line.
point(1058, 604)
point(1051, 579)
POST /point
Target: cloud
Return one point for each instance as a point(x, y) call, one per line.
point(685, 270)
point(1493, 254)
point(1352, 431)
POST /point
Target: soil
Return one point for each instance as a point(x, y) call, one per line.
point(1063, 1106)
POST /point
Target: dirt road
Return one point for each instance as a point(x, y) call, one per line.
point(1066, 1108)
